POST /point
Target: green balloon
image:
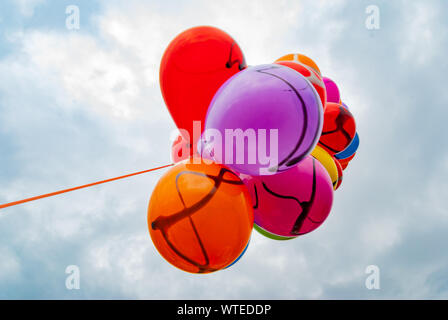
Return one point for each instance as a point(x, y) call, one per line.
point(271, 235)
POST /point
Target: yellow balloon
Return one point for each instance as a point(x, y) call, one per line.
point(327, 161)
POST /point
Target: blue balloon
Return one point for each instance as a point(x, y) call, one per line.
point(350, 150)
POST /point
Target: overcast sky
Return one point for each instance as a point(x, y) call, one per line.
point(83, 105)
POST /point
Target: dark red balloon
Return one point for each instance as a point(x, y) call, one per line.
point(339, 128)
point(344, 162)
point(195, 64)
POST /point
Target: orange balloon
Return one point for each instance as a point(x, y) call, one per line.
point(200, 216)
point(297, 57)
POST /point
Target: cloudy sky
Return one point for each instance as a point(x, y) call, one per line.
point(83, 105)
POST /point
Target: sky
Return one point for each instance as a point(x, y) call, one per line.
point(78, 106)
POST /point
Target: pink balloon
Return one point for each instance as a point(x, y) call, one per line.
point(293, 202)
point(333, 94)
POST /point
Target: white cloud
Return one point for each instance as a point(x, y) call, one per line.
point(27, 7)
point(9, 264)
point(420, 39)
point(90, 75)
point(379, 235)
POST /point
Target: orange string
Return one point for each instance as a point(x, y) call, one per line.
point(15, 203)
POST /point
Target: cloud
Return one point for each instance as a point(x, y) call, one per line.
point(422, 33)
point(27, 7)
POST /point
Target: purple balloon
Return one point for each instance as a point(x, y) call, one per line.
point(263, 120)
point(333, 94)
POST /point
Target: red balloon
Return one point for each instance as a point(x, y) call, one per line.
point(311, 75)
point(195, 64)
point(344, 165)
point(344, 162)
point(339, 128)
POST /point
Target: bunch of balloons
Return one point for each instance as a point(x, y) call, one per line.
point(260, 147)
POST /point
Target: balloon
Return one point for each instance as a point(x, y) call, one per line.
point(200, 216)
point(344, 162)
point(311, 75)
point(332, 90)
point(300, 58)
point(350, 150)
point(240, 256)
point(340, 173)
point(195, 64)
point(293, 202)
point(339, 128)
point(269, 235)
point(344, 165)
point(182, 149)
point(327, 161)
point(273, 99)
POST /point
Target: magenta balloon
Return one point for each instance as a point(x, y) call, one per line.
point(294, 202)
point(270, 97)
point(333, 94)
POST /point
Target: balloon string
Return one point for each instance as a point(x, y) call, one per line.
point(15, 203)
